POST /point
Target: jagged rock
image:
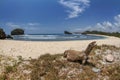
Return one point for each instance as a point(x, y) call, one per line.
point(73, 55)
point(90, 47)
point(2, 34)
point(109, 58)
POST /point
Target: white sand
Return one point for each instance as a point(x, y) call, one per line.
point(36, 48)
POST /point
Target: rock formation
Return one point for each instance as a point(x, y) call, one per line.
point(73, 55)
point(2, 34)
point(9, 37)
point(90, 47)
point(17, 32)
point(67, 32)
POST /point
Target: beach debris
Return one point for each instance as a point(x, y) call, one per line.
point(109, 58)
point(73, 55)
point(96, 70)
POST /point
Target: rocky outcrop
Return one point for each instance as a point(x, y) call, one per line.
point(17, 32)
point(90, 47)
point(73, 55)
point(9, 37)
point(2, 34)
point(67, 32)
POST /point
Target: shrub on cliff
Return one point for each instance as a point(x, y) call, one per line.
point(17, 31)
point(2, 34)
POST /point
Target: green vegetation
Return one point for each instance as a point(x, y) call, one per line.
point(116, 34)
point(10, 69)
point(17, 31)
point(13, 69)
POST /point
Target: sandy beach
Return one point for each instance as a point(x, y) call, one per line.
point(34, 49)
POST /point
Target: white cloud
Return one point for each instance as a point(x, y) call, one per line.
point(28, 27)
point(33, 24)
point(76, 6)
point(117, 23)
point(105, 26)
point(12, 25)
point(109, 26)
point(117, 18)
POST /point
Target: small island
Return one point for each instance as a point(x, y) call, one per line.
point(67, 32)
point(17, 31)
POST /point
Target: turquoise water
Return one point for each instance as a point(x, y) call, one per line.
point(55, 37)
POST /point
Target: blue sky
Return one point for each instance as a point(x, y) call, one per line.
point(55, 16)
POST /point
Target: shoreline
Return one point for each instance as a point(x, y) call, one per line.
point(34, 49)
point(62, 39)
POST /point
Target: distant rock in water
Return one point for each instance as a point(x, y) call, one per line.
point(17, 32)
point(67, 32)
point(9, 37)
point(2, 34)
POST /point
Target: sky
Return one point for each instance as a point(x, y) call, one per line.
point(55, 16)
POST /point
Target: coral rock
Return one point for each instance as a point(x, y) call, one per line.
point(109, 58)
point(96, 70)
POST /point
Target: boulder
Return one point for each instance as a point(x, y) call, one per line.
point(2, 34)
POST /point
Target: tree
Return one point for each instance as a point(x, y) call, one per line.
point(17, 31)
